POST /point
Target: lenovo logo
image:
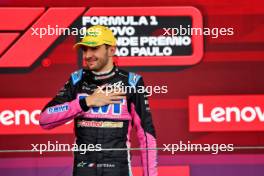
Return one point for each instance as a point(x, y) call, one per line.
point(17, 117)
point(226, 113)
point(229, 114)
point(21, 116)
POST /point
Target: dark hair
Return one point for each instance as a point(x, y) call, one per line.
point(107, 46)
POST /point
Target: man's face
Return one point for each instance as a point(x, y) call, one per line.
point(96, 58)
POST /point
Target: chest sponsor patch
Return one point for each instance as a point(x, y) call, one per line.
point(100, 124)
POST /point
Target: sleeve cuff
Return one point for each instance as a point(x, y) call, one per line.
point(83, 104)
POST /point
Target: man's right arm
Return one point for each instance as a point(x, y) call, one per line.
point(62, 108)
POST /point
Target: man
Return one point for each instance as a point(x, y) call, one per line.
point(102, 117)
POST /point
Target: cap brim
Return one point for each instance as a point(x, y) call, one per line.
point(90, 44)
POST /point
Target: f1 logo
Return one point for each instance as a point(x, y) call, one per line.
point(18, 47)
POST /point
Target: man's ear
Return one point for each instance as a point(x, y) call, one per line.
point(111, 51)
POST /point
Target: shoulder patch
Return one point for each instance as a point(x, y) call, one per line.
point(76, 76)
point(133, 79)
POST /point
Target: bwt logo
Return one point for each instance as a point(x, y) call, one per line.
point(58, 109)
point(18, 47)
point(116, 108)
point(226, 113)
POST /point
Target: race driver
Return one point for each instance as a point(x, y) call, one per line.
point(100, 117)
